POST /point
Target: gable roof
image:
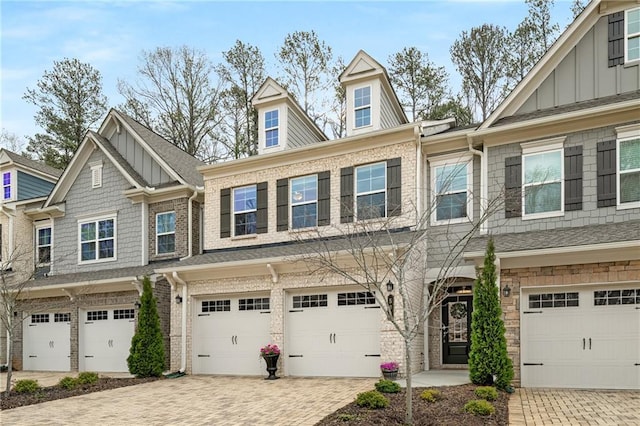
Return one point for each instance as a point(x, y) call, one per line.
point(552, 58)
point(28, 163)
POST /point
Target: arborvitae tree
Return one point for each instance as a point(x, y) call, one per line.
point(488, 355)
point(146, 356)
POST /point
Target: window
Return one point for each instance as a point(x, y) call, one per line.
point(542, 179)
point(257, 304)
point(6, 185)
point(310, 301)
point(165, 233)
point(452, 183)
point(97, 240)
point(553, 300)
point(244, 210)
point(629, 172)
point(271, 128)
point(304, 202)
point(123, 314)
point(44, 245)
point(216, 305)
point(632, 35)
point(362, 106)
point(616, 297)
point(97, 316)
point(62, 317)
point(356, 298)
point(371, 184)
point(39, 318)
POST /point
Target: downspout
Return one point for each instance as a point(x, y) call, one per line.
point(190, 223)
point(183, 337)
point(484, 226)
point(419, 212)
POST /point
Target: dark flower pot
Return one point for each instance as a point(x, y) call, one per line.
point(390, 374)
point(272, 366)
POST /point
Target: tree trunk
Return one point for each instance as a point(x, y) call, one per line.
point(409, 395)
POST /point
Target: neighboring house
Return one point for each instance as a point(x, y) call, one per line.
point(127, 201)
point(563, 150)
point(25, 247)
point(246, 290)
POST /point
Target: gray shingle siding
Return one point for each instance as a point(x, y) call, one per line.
point(30, 186)
point(82, 201)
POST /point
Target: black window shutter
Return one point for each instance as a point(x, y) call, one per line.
point(324, 198)
point(573, 178)
point(262, 223)
point(513, 186)
point(394, 187)
point(606, 173)
point(225, 213)
point(282, 203)
point(616, 39)
point(346, 195)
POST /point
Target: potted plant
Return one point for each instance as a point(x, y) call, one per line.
point(271, 353)
point(389, 370)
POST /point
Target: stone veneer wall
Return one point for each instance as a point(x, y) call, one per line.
point(519, 278)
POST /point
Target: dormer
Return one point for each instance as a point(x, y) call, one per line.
point(282, 124)
point(23, 178)
point(372, 103)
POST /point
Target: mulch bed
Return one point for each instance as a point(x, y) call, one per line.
point(52, 393)
point(446, 411)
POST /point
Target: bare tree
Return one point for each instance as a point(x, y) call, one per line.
point(369, 253)
point(11, 141)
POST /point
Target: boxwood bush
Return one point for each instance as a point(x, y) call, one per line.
point(87, 378)
point(372, 399)
point(431, 395)
point(387, 386)
point(486, 392)
point(26, 386)
point(479, 407)
point(68, 383)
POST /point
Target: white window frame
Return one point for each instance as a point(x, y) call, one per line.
point(97, 240)
point(160, 234)
point(272, 128)
point(624, 134)
point(293, 204)
point(96, 174)
point(530, 149)
point(452, 160)
point(11, 186)
point(628, 36)
point(38, 246)
point(233, 204)
point(357, 194)
point(362, 107)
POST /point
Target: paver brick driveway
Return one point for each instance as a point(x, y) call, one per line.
point(199, 400)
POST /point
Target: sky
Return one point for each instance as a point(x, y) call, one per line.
point(110, 35)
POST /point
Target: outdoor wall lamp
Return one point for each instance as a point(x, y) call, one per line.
point(389, 286)
point(137, 304)
point(178, 299)
point(506, 291)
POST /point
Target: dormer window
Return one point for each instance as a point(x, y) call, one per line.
point(271, 128)
point(6, 185)
point(362, 106)
point(632, 35)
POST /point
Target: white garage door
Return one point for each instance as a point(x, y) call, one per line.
point(228, 334)
point(581, 338)
point(105, 338)
point(46, 338)
point(333, 334)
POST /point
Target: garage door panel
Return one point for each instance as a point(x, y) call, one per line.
point(105, 339)
point(46, 338)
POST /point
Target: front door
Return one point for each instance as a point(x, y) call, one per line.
point(456, 329)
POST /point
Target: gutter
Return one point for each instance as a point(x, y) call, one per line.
point(190, 223)
point(484, 226)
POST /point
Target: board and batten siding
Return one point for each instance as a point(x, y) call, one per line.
point(585, 74)
point(30, 186)
point(388, 118)
point(83, 201)
point(140, 159)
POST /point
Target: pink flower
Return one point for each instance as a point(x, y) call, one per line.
point(270, 350)
point(389, 366)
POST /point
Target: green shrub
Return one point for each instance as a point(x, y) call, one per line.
point(87, 378)
point(487, 392)
point(387, 386)
point(479, 407)
point(68, 383)
point(431, 395)
point(372, 399)
point(346, 417)
point(26, 386)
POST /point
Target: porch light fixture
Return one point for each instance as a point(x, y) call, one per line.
point(389, 286)
point(137, 304)
point(463, 290)
point(178, 299)
point(506, 291)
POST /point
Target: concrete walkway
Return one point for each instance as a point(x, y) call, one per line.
point(430, 378)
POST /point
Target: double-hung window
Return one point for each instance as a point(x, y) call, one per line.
point(371, 193)
point(97, 239)
point(271, 128)
point(6, 185)
point(452, 181)
point(43, 245)
point(542, 180)
point(304, 202)
point(244, 210)
point(632, 35)
point(362, 106)
point(165, 233)
point(629, 172)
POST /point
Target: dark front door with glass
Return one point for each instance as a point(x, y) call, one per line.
point(456, 329)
